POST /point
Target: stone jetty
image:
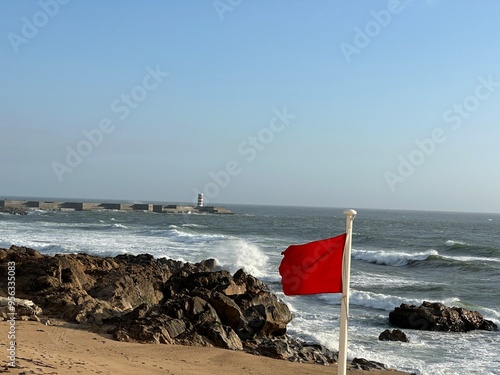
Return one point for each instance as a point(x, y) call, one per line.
point(17, 206)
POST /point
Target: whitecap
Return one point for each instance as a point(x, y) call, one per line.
point(490, 314)
point(395, 259)
point(53, 249)
point(193, 226)
point(451, 243)
point(370, 280)
point(236, 253)
point(468, 259)
point(378, 301)
point(37, 212)
point(179, 235)
point(119, 226)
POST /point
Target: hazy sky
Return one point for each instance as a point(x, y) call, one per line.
point(360, 104)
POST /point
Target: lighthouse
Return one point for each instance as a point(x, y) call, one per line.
point(200, 200)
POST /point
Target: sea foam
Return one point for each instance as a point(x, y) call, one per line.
point(236, 253)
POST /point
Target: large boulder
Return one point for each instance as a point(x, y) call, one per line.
point(438, 317)
point(393, 335)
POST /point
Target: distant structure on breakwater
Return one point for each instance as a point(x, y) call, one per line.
point(19, 205)
point(200, 200)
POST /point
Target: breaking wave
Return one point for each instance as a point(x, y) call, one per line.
point(395, 259)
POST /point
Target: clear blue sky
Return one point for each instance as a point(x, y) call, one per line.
point(382, 105)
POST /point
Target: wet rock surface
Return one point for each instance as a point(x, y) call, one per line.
point(438, 317)
point(393, 335)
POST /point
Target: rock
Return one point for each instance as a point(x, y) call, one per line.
point(278, 349)
point(394, 335)
point(315, 353)
point(149, 324)
point(268, 318)
point(219, 281)
point(222, 336)
point(366, 365)
point(93, 311)
point(227, 310)
point(14, 251)
point(291, 349)
point(21, 309)
point(438, 317)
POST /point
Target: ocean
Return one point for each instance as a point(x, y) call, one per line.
point(397, 257)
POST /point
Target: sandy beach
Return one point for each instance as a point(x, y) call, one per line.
point(63, 348)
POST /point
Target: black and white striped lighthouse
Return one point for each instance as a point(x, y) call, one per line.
point(200, 200)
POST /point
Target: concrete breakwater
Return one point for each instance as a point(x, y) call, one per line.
point(16, 206)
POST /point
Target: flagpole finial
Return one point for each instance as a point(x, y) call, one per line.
point(350, 212)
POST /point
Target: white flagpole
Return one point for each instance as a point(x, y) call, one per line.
point(344, 304)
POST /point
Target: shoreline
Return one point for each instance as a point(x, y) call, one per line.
point(62, 320)
point(62, 348)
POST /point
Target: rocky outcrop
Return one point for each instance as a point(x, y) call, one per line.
point(438, 317)
point(393, 335)
point(241, 301)
point(160, 301)
point(87, 289)
point(219, 309)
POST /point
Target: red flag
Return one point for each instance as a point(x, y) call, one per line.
point(314, 267)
